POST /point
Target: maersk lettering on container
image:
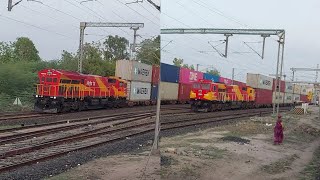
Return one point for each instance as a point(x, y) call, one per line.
point(259, 81)
point(188, 76)
point(133, 71)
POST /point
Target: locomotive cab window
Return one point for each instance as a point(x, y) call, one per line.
point(196, 86)
point(49, 80)
point(205, 86)
point(244, 89)
point(75, 82)
point(65, 81)
point(42, 79)
point(55, 80)
point(112, 80)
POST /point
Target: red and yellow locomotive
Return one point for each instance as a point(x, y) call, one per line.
point(60, 91)
point(209, 96)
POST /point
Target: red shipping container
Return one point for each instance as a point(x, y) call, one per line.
point(282, 85)
point(188, 76)
point(304, 98)
point(239, 83)
point(225, 80)
point(155, 74)
point(263, 96)
point(184, 92)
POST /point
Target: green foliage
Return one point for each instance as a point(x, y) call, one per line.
point(150, 51)
point(115, 48)
point(178, 62)
point(213, 72)
point(6, 52)
point(25, 50)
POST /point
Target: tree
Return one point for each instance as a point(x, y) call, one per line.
point(178, 62)
point(25, 50)
point(213, 72)
point(6, 52)
point(68, 61)
point(116, 48)
point(149, 52)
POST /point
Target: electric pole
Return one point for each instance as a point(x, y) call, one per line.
point(198, 67)
point(232, 75)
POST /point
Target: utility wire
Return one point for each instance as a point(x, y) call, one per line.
point(38, 27)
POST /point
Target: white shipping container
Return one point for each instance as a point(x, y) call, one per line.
point(304, 90)
point(138, 91)
point(276, 98)
point(296, 98)
point(259, 81)
point(288, 98)
point(133, 71)
point(169, 91)
point(296, 89)
point(289, 87)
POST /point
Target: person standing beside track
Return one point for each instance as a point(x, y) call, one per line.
point(278, 132)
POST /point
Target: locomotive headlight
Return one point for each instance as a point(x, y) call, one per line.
point(54, 97)
point(36, 95)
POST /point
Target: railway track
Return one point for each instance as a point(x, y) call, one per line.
point(16, 155)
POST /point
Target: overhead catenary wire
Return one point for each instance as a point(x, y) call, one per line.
point(35, 26)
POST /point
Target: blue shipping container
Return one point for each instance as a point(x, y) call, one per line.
point(169, 73)
point(211, 77)
point(154, 91)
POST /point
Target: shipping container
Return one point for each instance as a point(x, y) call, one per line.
point(169, 73)
point(289, 87)
point(225, 81)
point(263, 96)
point(169, 91)
point(138, 91)
point(259, 81)
point(296, 89)
point(278, 98)
point(304, 90)
point(239, 83)
point(154, 91)
point(211, 77)
point(282, 85)
point(133, 71)
point(155, 74)
point(188, 76)
point(296, 98)
point(288, 98)
point(304, 98)
point(184, 92)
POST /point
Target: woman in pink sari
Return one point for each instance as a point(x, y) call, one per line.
point(278, 131)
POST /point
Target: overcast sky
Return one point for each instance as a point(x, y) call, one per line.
point(57, 22)
point(300, 19)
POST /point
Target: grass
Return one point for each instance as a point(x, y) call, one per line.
point(312, 170)
point(281, 165)
point(303, 133)
point(8, 127)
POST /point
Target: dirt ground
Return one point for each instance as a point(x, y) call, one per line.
point(120, 167)
point(245, 150)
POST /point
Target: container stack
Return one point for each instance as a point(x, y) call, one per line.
point(288, 93)
point(169, 87)
point(186, 78)
point(211, 77)
point(263, 88)
point(225, 81)
point(139, 78)
point(304, 94)
point(296, 93)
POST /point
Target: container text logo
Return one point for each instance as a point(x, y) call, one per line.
point(193, 76)
point(141, 90)
point(143, 72)
point(266, 82)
